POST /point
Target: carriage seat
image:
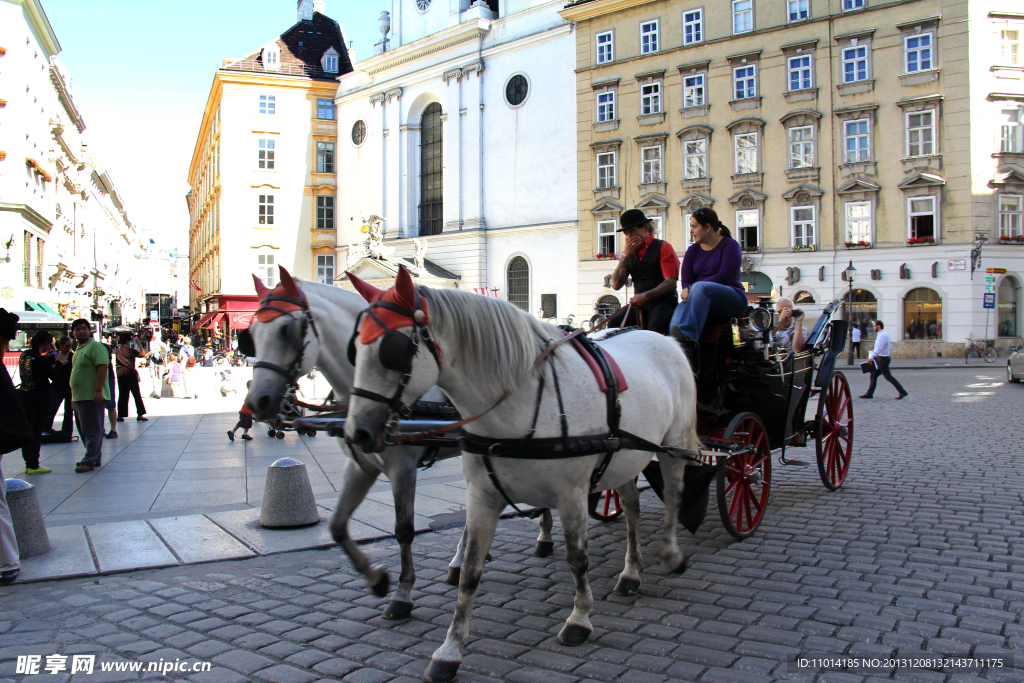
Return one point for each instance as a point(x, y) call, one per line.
point(715, 328)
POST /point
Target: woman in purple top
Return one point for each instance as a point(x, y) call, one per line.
point(710, 279)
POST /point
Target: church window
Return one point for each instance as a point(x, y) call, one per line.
point(358, 132)
point(431, 171)
point(516, 90)
point(519, 283)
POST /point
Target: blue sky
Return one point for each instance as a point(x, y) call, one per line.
point(142, 71)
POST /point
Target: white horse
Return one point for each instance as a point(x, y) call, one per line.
point(281, 340)
point(486, 348)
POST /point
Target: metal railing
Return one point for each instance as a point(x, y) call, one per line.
point(286, 69)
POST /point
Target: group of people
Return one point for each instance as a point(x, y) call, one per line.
point(679, 298)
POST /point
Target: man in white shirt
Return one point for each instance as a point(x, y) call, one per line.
point(879, 360)
point(855, 339)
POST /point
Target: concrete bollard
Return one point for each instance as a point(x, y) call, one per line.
point(29, 527)
point(288, 496)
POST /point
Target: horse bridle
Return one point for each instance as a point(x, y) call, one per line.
point(291, 373)
point(397, 352)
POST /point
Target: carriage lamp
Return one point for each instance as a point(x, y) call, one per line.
point(849, 274)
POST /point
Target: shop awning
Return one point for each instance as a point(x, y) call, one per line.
point(33, 306)
point(46, 308)
point(240, 321)
point(205, 319)
point(217, 317)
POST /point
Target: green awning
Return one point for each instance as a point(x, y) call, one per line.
point(46, 307)
point(33, 306)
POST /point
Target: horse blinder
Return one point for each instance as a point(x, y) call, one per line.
point(246, 344)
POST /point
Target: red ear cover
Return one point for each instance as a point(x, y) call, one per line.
point(261, 289)
point(365, 289)
point(288, 284)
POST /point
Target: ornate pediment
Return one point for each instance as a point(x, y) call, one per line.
point(696, 201)
point(607, 206)
point(858, 184)
point(653, 202)
point(922, 179)
point(795, 193)
point(1008, 175)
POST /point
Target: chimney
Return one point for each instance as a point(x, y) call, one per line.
point(351, 51)
point(305, 9)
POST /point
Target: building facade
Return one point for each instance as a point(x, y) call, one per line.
point(823, 133)
point(460, 134)
point(264, 170)
point(69, 247)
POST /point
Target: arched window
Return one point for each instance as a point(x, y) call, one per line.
point(803, 298)
point(757, 284)
point(1009, 291)
point(519, 283)
point(865, 311)
point(606, 305)
point(922, 314)
point(431, 181)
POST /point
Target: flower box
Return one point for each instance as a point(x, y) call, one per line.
point(3, 51)
point(3, 103)
point(920, 241)
point(803, 247)
point(607, 256)
point(857, 245)
point(1006, 239)
point(751, 250)
point(3, 155)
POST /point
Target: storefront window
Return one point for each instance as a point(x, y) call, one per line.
point(922, 314)
point(757, 284)
point(865, 310)
point(1008, 293)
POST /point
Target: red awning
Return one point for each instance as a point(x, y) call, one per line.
point(202, 321)
point(240, 321)
point(217, 317)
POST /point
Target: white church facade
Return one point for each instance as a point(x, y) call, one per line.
point(461, 130)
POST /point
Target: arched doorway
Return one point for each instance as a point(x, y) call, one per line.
point(1009, 293)
point(922, 314)
point(518, 283)
point(431, 171)
point(757, 284)
point(865, 311)
point(606, 305)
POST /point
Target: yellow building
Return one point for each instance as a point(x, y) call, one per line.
point(823, 132)
point(263, 176)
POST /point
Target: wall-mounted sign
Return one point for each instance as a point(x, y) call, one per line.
point(989, 300)
point(956, 264)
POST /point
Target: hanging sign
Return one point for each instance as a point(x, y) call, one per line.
point(990, 300)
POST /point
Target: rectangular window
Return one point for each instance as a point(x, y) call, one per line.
point(26, 262)
point(266, 153)
point(1011, 219)
point(852, 4)
point(266, 209)
point(693, 26)
point(920, 133)
point(606, 237)
point(800, 72)
point(921, 211)
point(686, 225)
point(1011, 132)
point(744, 80)
point(604, 47)
point(606, 170)
point(325, 212)
point(1009, 44)
point(266, 270)
point(606, 106)
point(742, 16)
point(801, 219)
point(695, 159)
point(267, 105)
point(651, 159)
point(648, 37)
point(855, 64)
point(325, 157)
point(801, 147)
point(325, 268)
point(747, 227)
point(655, 226)
point(331, 63)
point(858, 147)
point(325, 109)
point(40, 246)
point(650, 98)
point(693, 91)
point(746, 153)
point(858, 222)
point(798, 9)
point(918, 50)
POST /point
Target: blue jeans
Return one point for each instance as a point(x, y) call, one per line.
point(704, 299)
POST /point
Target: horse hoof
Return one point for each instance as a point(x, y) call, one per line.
point(681, 568)
point(440, 672)
point(488, 558)
point(544, 549)
point(380, 589)
point(453, 576)
point(397, 610)
point(627, 586)
point(573, 634)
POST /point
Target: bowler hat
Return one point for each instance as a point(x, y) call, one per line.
point(631, 219)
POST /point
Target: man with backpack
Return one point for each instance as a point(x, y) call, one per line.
point(154, 363)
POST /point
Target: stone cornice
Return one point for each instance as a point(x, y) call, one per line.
point(29, 214)
point(442, 40)
point(595, 9)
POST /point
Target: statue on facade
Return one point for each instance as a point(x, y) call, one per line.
point(375, 241)
point(355, 252)
point(421, 253)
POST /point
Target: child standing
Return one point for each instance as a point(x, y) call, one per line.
point(244, 420)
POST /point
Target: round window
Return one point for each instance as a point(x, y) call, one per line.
point(422, 5)
point(358, 133)
point(516, 90)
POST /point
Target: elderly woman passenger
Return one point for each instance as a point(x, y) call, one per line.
point(710, 281)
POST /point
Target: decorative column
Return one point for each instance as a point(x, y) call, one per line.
point(472, 153)
point(392, 160)
point(452, 150)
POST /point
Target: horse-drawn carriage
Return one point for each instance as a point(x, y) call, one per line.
point(753, 400)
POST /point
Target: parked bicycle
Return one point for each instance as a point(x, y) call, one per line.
point(975, 347)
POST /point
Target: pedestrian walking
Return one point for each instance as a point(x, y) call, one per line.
point(15, 432)
point(855, 339)
point(111, 403)
point(175, 376)
point(90, 392)
point(244, 420)
point(34, 368)
point(127, 351)
point(154, 364)
point(188, 361)
point(60, 392)
point(879, 360)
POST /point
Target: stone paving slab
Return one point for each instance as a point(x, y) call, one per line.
point(123, 546)
point(69, 556)
point(196, 539)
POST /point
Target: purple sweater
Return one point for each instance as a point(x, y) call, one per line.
point(721, 265)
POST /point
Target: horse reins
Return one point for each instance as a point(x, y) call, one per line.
point(291, 374)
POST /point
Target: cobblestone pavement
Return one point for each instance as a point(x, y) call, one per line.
point(920, 554)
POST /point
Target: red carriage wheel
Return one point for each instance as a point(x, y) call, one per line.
point(833, 437)
point(744, 480)
point(605, 505)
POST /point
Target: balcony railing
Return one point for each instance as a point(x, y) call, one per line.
point(287, 69)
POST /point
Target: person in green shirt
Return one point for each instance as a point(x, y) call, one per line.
point(89, 392)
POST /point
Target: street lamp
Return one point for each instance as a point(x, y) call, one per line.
point(849, 274)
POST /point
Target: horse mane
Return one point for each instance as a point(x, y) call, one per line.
point(495, 337)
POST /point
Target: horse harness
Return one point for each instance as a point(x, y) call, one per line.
point(248, 347)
